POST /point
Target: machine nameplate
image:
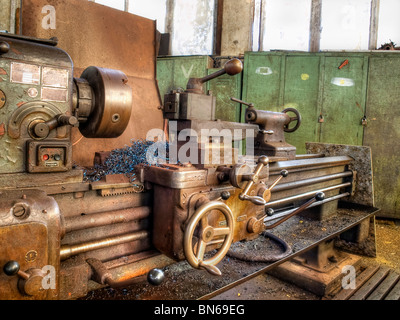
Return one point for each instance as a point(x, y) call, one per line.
point(25, 73)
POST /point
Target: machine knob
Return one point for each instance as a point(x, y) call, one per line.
point(320, 196)
point(11, 268)
point(155, 277)
point(4, 47)
point(233, 67)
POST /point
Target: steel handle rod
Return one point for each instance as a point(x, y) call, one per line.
point(105, 218)
point(318, 197)
point(307, 182)
point(68, 251)
point(316, 204)
point(306, 195)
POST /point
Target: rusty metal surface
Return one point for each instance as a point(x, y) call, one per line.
point(95, 35)
point(29, 232)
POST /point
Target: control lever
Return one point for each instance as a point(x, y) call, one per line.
point(42, 129)
point(256, 225)
point(30, 282)
point(232, 67)
point(253, 178)
point(250, 105)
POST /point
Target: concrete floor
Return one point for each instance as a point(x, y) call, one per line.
point(267, 287)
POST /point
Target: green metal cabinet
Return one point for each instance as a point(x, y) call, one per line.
point(330, 100)
point(382, 132)
point(224, 88)
point(342, 103)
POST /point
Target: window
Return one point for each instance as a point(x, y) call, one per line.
point(345, 24)
point(389, 22)
point(116, 4)
point(193, 27)
point(286, 24)
point(150, 9)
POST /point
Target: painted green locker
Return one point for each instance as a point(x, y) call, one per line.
point(224, 88)
point(382, 132)
point(343, 99)
point(262, 80)
point(301, 91)
point(330, 100)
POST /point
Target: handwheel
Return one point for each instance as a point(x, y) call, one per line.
point(297, 118)
point(208, 235)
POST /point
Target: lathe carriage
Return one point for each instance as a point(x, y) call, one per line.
point(66, 230)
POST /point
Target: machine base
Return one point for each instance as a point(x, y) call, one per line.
point(319, 283)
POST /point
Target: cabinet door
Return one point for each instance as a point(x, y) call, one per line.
point(382, 133)
point(224, 88)
point(343, 100)
point(262, 80)
point(301, 92)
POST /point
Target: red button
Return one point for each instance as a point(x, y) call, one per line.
point(45, 157)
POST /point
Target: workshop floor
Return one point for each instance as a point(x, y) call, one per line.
point(266, 287)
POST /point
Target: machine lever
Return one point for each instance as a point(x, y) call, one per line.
point(232, 67)
point(318, 197)
point(42, 129)
point(253, 178)
point(250, 105)
point(12, 268)
point(103, 276)
point(255, 225)
point(30, 282)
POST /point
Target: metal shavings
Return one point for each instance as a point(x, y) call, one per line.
point(124, 160)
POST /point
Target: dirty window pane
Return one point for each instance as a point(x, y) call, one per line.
point(193, 27)
point(389, 22)
point(286, 24)
point(116, 4)
point(345, 24)
point(150, 9)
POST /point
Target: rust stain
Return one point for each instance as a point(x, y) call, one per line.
point(20, 104)
point(2, 129)
point(16, 51)
point(2, 71)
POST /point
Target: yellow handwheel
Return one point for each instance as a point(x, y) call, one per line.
point(206, 236)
